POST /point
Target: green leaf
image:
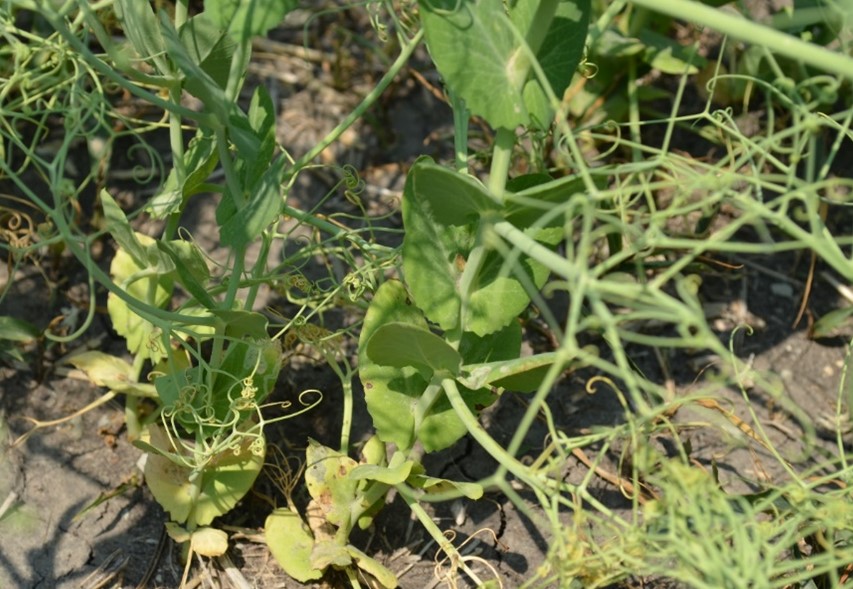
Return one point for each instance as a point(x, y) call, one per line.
point(441, 426)
point(291, 544)
point(264, 206)
point(559, 55)
point(200, 160)
point(141, 26)
point(383, 474)
point(499, 294)
point(329, 484)
point(504, 344)
point(196, 80)
point(669, 56)
point(476, 46)
point(436, 485)
point(523, 375)
point(393, 394)
point(434, 253)
point(835, 323)
point(525, 208)
point(328, 553)
point(190, 267)
point(390, 392)
point(245, 19)
point(17, 330)
point(262, 120)
point(242, 323)
point(120, 229)
point(454, 198)
point(209, 46)
point(403, 344)
point(382, 574)
point(224, 480)
point(145, 285)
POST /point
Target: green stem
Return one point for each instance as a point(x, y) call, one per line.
point(461, 116)
point(741, 28)
point(426, 521)
point(366, 103)
point(501, 160)
point(331, 228)
point(510, 463)
point(540, 24)
point(52, 16)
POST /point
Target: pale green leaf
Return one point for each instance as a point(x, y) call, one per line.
point(403, 344)
point(373, 567)
point(209, 542)
point(291, 544)
point(328, 481)
point(225, 480)
point(245, 19)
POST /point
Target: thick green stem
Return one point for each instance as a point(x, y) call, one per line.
point(461, 117)
point(482, 437)
point(741, 28)
point(501, 160)
point(540, 24)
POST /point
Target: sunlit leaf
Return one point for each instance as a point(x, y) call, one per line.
point(145, 285)
point(476, 46)
point(106, 370)
point(380, 572)
point(328, 482)
point(214, 491)
point(245, 19)
point(291, 544)
point(403, 344)
point(209, 542)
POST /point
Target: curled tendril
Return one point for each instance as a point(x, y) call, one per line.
point(374, 12)
point(141, 173)
point(290, 340)
point(354, 185)
point(355, 286)
point(297, 280)
point(258, 446)
point(249, 390)
point(588, 69)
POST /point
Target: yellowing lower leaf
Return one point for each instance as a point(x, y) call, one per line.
point(109, 371)
point(223, 482)
point(209, 542)
point(291, 544)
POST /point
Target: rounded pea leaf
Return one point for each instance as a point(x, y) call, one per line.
point(390, 392)
point(329, 484)
point(477, 47)
point(226, 478)
point(209, 542)
point(291, 544)
point(245, 19)
point(402, 344)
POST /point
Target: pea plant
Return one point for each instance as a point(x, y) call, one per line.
point(441, 336)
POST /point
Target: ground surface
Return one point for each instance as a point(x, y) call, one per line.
point(49, 479)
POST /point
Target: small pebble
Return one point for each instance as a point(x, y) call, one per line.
point(782, 289)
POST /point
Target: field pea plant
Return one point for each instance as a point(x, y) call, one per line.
point(441, 320)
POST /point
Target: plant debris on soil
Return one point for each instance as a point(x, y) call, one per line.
point(74, 511)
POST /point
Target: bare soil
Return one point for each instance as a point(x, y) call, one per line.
point(49, 479)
